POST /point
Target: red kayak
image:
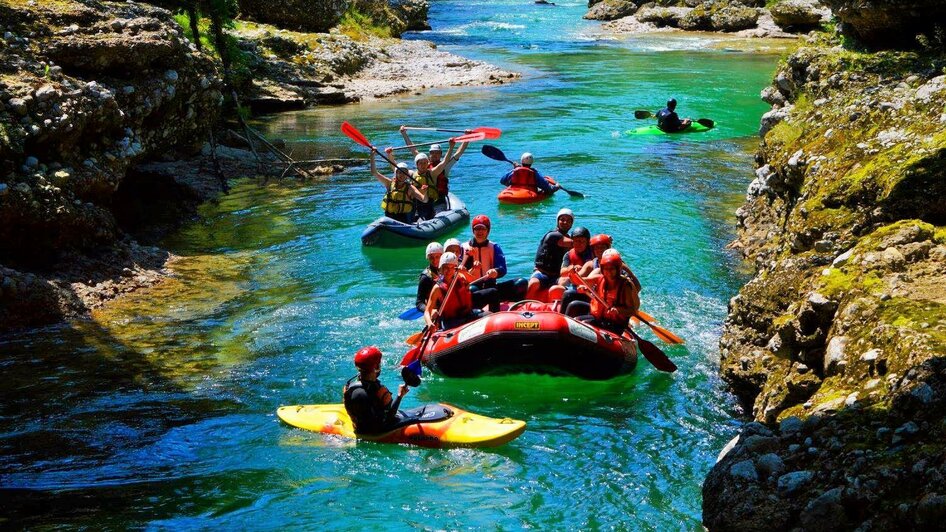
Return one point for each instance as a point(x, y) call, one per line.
point(528, 339)
point(513, 195)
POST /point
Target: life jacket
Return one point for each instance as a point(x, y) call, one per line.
point(612, 296)
point(575, 259)
point(461, 300)
point(443, 184)
point(523, 177)
point(484, 253)
point(397, 200)
point(548, 258)
point(433, 194)
point(367, 411)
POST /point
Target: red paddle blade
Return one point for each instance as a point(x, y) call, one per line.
point(411, 356)
point(355, 135)
point(490, 132)
point(470, 137)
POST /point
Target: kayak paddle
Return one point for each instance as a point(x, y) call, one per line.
point(469, 137)
point(497, 155)
point(705, 122)
point(572, 193)
point(490, 132)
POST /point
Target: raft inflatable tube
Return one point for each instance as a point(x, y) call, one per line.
point(654, 130)
point(520, 196)
point(389, 233)
point(530, 341)
point(435, 425)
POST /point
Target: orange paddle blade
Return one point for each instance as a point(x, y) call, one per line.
point(490, 132)
point(415, 338)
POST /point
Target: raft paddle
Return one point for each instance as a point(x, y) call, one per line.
point(652, 353)
point(497, 155)
point(410, 314)
point(352, 132)
point(490, 132)
point(471, 137)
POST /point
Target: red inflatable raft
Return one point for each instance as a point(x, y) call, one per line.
point(531, 341)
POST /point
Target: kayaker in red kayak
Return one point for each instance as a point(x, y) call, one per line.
point(458, 308)
point(548, 257)
point(524, 176)
point(367, 401)
point(617, 291)
point(428, 277)
point(398, 202)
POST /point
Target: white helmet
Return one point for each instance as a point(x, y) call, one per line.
point(432, 248)
point(449, 258)
point(421, 156)
point(435, 147)
point(565, 212)
point(451, 242)
point(526, 158)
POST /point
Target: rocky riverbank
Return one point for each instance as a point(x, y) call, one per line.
point(742, 18)
point(836, 347)
point(106, 109)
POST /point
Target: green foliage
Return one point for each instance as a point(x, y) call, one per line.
point(359, 25)
point(203, 25)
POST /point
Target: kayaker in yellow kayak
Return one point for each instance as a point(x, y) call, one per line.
point(401, 196)
point(367, 401)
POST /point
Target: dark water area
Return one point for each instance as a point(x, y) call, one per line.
point(160, 412)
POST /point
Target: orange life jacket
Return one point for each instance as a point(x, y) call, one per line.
point(523, 177)
point(461, 300)
point(613, 297)
point(484, 254)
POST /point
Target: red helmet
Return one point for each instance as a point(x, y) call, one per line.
point(600, 239)
point(368, 358)
point(480, 219)
point(610, 257)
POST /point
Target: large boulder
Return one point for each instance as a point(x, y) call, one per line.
point(663, 16)
point(413, 13)
point(798, 15)
point(720, 15)
point(889, 23)
point(611, 10)
point(303, 15)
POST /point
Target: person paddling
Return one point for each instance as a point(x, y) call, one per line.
point(599, 244)
point(428, 277)
point(456, 310)
point(367, 401)
point(579, 260)
point(483, 258)
point(398, 202)
point(668, 121)
point(618, 293)
point(524, 176)
point(549, 255)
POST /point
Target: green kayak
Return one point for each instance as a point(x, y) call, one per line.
point(654, 130)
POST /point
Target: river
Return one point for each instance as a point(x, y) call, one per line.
point(160, 412)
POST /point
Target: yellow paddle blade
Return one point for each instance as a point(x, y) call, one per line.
point(415, 338)
point(661, 333)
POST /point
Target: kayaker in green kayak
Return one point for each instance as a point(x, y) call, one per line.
point(668, 121)
point(367, 401)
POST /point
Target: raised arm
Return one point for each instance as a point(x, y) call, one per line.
point(378, 175)
point(445, 163)
point(431, 314)
point(407, 140)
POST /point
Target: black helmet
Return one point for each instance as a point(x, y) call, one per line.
point(671, 103)
point(581, 232)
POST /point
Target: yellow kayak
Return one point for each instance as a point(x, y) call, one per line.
point(435, 425)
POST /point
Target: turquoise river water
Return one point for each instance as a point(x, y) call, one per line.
point(160, 412)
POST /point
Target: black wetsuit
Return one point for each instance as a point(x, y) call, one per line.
point(668, 121)
point(424, 286)
point(370, 406)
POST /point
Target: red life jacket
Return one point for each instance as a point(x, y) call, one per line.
point(523, 177)
point(443, 184)
point(461, 300)
point(612, 297)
